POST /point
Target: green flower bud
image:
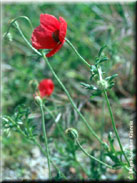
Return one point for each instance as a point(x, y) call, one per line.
point(110, 135)
point(33, 84)
point(72, 133)
point(38, 100)
point(103, 84)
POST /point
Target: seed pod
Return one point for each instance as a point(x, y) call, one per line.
point(103, 84)
point(72, 133)
point(33, 84)
point(38, 100)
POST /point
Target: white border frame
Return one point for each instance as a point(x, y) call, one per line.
point(68, 1)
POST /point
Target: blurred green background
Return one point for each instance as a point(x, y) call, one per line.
point(90, 26)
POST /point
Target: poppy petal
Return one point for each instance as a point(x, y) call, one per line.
point(46, 87)
point(62, 29)
point(56, 49)
point(42, 38)
point(49, 21)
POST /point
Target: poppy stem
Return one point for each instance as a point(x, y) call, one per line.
point(56, 123)
point(92, 157)
point(28, 43)
point(112, 117)
point(65, 139)
point(45, 137)
point(36, 143)
point(14, 20)
point(71, 45)
point(72, 102)
point(114, 125)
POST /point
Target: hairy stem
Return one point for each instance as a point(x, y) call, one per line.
point(72, 102)
point(71, 45)
point(14, 20)
point(112, 117)
point(28, 43)
point(114, 126)
point(45, 138)
point(92, 157)
point(60, 130)
point(65, 139)
point(37, 143)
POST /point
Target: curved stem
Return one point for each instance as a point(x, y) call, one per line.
point(14, 20)
point(92, 157)
point(111, 116)
point(28, 43)
point(65, 139)
point(72, 102)
point(61, 132)
point(37, 143)
point(114, 126)
point(17, 126)
point(21, 33)
point(71, 45)
point(45, 138)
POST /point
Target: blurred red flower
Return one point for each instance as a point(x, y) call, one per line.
point(46, 87)
point(50, 34)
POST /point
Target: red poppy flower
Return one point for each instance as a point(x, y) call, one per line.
point(46, 87)
point(50, 34)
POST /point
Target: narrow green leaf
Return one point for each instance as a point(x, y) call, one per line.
point(110, 78)
point(102, 60)
point(101, 50)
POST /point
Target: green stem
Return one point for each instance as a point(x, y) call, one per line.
point(17, 126)
point(71, 45)
point(65, 139)
point(28, 43)
point(114, 126)
point(37, 143)
point(72, 102)
point(14, 20)
point(45, 138)
point(22, 35)
point(102, 131)
point(92, 157)
point(111, 116)
point(60, 130)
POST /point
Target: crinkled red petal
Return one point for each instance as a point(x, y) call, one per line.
point(46, 87)
point(62, 29)
point(56, 49)
point(42, 38)
point(50, 22)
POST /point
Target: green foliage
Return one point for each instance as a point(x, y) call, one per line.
point(88, 29)
point(20, 121)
